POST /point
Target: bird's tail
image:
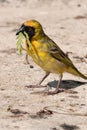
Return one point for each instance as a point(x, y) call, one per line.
point(76, 72)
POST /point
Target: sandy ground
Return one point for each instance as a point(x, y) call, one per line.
point(65, 21)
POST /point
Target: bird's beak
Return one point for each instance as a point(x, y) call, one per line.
point(21, 29)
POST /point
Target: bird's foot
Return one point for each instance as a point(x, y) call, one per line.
point(47, 92)
point(35, 86)
point(54, 92)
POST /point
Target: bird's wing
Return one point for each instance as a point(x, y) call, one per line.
point(58, 54)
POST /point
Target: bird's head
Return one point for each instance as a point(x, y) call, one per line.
point(32, 27)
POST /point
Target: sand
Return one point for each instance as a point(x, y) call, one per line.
point(65, 21)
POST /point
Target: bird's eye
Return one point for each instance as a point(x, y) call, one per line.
point(29, 29)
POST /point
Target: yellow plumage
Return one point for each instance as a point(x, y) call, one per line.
point(46, 52)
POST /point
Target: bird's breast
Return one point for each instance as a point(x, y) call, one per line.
point(41, 57)
point(35, 51)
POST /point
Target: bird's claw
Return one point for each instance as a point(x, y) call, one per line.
point(53, 92)
point(34, 86)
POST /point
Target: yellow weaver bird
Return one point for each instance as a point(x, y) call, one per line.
point(46, 53)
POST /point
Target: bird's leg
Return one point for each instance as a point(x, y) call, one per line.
point(26, 57)
point(58, 86)
point(27, 61)
point(39, 84)
point(46, 75)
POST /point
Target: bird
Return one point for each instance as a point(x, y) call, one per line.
point(47, 54)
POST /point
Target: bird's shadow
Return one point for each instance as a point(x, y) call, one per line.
point(67, 84)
